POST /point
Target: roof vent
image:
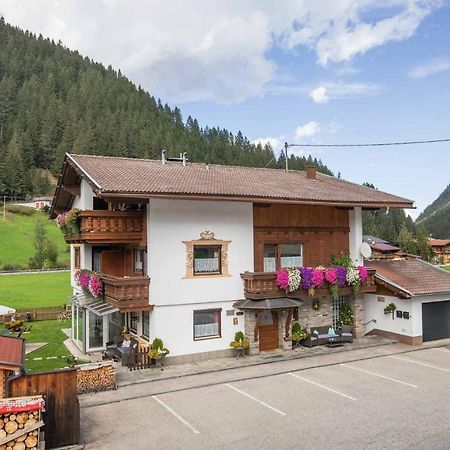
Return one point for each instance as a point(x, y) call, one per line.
point(182, 159)
point(311, 173)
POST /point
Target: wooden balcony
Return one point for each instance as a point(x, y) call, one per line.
point(259, 285)
point(103, 227)
point(127, 293)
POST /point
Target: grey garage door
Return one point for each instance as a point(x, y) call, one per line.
point(435, 320)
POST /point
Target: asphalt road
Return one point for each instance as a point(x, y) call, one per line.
point(391, 402)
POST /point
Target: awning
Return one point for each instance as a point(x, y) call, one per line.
point(268, 303)
point(98, 307)
point(101, 308)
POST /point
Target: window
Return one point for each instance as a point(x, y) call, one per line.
point(207, 259)
point(76, 258)
point(207, 324)
point(146, 324)
point(277, 256)
point(133, 321)
point(140, 261)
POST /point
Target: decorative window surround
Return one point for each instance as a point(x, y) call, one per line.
point(207, 238)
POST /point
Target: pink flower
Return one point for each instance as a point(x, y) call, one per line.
point(282, 279)
point(84, 279)
point(318, 276)
point(95, 286)
point(362, 273)
point(331, 275)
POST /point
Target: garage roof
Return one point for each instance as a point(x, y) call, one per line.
point(12, 351)
point(412, 276)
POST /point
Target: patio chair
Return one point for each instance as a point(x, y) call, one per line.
point(346, 333)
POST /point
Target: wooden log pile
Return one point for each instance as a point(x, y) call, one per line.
point(96, 378)
point(20, 431)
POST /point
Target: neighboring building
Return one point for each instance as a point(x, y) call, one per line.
point(42, 202)
point(188, 252)
point(381, 249)
point(421, 293)
point(12, 359)
point(441, 248)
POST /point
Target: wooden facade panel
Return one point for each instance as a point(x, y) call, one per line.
point(323, 231)
point(308, 216)
point(59, 389)
point(118, 262)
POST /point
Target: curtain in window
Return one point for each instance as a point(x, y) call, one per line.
point(206, 329)
point(291, 261)
point(205, 265)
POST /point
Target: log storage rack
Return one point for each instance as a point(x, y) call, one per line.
point(21, 423)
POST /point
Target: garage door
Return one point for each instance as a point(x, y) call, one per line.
point(435, 320)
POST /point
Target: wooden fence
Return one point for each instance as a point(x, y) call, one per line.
point(139, 359)
point(33, 314)
point(59, 389)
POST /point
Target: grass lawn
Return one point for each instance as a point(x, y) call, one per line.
point(446, 268)
point(47, 331)
point(16, 243)
point(35, 290)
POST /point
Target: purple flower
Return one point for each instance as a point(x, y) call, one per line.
point(341, 276)
point(306, 274)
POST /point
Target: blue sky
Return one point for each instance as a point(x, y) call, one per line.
point(301, 71)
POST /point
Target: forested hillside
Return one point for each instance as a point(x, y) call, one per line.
point(53, 100)
point(436, 217)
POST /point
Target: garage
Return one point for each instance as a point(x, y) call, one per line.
point(435, 320)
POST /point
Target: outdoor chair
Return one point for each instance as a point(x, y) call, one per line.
point(346, 333)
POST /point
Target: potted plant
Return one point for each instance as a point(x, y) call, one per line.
point(240, 344)
point(69, 222)
point(346, 316)
point(157, 351)
point(126, 333)
point(390, 309)
point(298, 334)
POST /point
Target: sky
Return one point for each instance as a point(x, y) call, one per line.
point(296, 71)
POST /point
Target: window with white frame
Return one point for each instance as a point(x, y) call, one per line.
point(207, 324)
point(133, 321)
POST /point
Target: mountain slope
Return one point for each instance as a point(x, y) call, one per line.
point(436, 217)
point(52, 101)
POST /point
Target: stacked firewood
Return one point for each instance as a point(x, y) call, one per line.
point(12, 424)
point(96, 378)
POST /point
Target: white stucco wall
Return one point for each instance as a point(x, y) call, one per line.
point(355, 235)
point(86, 196)
point(170, 222)
point(374, 309)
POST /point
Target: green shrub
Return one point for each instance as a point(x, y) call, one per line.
point(346, 315)
point(13, 267)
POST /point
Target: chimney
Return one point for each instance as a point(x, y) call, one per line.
point(163, 156)
point(311, 173)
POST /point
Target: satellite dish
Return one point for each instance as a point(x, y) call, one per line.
point(365, 250)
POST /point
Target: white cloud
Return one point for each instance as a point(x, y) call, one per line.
point(307, 130)
point(219, 51)
point(275, 142)
point(319, 94)
point(431, 67)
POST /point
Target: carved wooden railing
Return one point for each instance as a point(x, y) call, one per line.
point(110, 227)
point(127, 293)
point(259, 285)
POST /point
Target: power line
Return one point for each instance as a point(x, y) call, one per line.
point(373, 144)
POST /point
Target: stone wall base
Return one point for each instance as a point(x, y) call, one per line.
point(409, 340)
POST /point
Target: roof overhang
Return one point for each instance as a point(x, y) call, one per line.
point(267, 304)
point(395, 288)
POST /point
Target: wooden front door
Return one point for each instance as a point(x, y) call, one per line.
point(268, 330)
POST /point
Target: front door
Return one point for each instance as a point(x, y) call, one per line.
point(268, 330)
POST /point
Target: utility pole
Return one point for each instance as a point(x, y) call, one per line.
point(4, 208)
point(286, 154)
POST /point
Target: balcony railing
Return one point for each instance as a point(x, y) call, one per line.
point(259, 285)
point(102, 226)
point(127, 293)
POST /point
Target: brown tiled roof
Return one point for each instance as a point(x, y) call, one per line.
point(439, 242)
point(11, 351)
point(382, 247)
point(152, 178)
point(413, 275)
